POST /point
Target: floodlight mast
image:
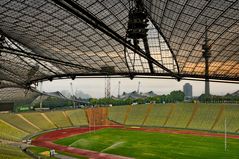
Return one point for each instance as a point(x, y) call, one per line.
point(73, 96)
point(119, 89)
point(138, 87)
point(107, 87)
point(41, 94)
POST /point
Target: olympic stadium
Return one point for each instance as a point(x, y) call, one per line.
point(48, 40)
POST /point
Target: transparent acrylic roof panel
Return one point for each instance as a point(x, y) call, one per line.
point(183, 25)
point(49, 30)
point(16, 94)
point(44, 28)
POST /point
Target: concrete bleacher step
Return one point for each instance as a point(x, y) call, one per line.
point(149, 109)
point(169, 114)
point(47, 119)
point(194, 111)
point(129, 109)
point(78, 117)
point(29, 122)
point(10, 132)
point(218, 116)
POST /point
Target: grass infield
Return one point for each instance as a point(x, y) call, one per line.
point(153, 145)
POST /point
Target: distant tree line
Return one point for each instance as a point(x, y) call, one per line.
point(228, 98)
point(54, 102)
point(174, 96)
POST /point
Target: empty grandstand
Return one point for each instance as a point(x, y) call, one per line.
point(58, 39)
point(11, 152)
point(208, 117)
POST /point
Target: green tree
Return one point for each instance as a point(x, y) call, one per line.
point(176, 96)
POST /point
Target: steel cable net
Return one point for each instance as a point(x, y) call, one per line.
point(7, 84)
point(183, 25)
point(43, 40)
point(17, 95)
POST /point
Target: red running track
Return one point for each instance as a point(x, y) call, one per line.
point(46, 139)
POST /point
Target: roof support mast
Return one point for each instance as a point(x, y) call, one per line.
point(206, 55)
point(85, 15)
point(137, 28)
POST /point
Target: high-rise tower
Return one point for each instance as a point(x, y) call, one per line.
point(188, 91)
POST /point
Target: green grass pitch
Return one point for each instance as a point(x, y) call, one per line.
point(153, 145)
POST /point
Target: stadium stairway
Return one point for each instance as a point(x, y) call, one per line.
point(59, 119)
point(77, 117)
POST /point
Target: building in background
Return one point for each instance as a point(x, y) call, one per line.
point(188, 92)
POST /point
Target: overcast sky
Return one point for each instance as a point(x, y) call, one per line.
point(95, 87)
